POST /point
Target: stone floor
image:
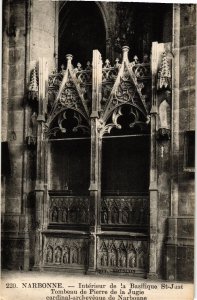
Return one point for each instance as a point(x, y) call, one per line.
point(64, 286)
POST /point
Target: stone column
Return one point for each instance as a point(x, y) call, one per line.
point(5, 74)
point(172, 222)
point(175, 109)
point(95, 172)
point(5, 94)
point(153, 188)
point(41, 177)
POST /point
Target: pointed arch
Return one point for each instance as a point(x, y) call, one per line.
point(82, 28)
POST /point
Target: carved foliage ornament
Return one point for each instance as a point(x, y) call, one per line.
point(67, 98)
point(127, 89)
point(33, 86)
point(68, 123)
point(164, 74)
point(121, 84)
point(70, 91)
point(134, 116)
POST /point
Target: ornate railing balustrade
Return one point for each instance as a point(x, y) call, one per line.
point(109, 73)
point(68, 210)
point(124, 210)
point(115, 210)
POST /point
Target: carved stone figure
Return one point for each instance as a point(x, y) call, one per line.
point(122, 260)
point(66, 257)
point(125, 216)
point(104, 260)
point(104, 217)
point(115, 216)
point(132, 260)
point(74, 257)
point(49, 255)
point(82, 216)
point(73, 215)
point(58, 255)
point(64, 216)
point(141, 262)
point(113, 259)
point(54, 215)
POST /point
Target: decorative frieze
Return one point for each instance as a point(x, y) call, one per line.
point(65, 252)
point(125, 256)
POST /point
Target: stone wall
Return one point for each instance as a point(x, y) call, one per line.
point(28, 33)
point(186, 122)
point(15, 108)
point(187, 102)
point(43, 31)
point(14, 74)
point(180, 240)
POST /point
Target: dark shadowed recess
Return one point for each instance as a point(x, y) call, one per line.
point(81, 29)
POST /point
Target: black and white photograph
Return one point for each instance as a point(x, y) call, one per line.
point(97, 150)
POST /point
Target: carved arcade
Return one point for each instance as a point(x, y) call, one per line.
point(122, 256)
point(69, 210)
point(62, 252)
point(124, 210)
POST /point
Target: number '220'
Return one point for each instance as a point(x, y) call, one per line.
point(10, 285)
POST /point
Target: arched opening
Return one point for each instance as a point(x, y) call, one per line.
point(125, 157)
point(125, 172)
point(69, 133)
point(81, 29)
point(138, 25)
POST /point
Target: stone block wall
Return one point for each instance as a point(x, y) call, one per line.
point(43, 32)
point(180, 242)
point(187, 102)
point(185, 254)
point(28, 33)
point(14, 73)
point(15, 106)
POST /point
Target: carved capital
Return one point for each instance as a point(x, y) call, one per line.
point(41, 118)
point(94, 115)
point(93, 186)
point(163, 134)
